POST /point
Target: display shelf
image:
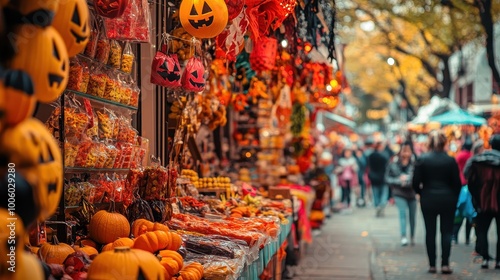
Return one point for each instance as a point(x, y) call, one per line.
point(101, 100)
point(94, 170)
point(84, 57)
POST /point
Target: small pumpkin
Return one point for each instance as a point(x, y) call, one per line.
point(54, 253)
point(125, 263)
point(175, 241)
point(172, 255)
point(36, 154)
point(123, 242)
point(141, 226)
point(107, 247)
point(86, 242)
point(72, 22)
point(105, 227)
point(193, 271)
point(203, 18)
point(19, 94)
point(44, 57)
point(152, 241)
point(86, 249)
point(171, 267)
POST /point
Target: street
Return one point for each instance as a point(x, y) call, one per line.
point(360, 246)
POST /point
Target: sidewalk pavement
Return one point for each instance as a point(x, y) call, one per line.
point(360, 246)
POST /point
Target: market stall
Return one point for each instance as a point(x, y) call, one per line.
point(146, 140)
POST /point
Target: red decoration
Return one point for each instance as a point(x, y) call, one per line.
point(111, 8)
point(166, 70)
point(193, 78)
point(234, 8)
point(231, 40)
point(263, 56)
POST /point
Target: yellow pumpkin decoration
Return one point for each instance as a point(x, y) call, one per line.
point(72, 22)
point(203, 18)
point(125, 263)
point(26, 265)
point(19, 96)
point(55, 253)
point(37, 157)
point(42, 54)
point(105, 227)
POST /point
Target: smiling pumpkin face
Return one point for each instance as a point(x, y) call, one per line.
point(42, 54)
point(193, 78)
point(203, 18)
point(72, 23)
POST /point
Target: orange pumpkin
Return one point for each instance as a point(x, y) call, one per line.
point(193, 271)
point(19, 94)
point(86, 249)
point(42, 54)
point(86, 242)
point(173, 255)
point(171, 267)
point(107, 247)
point(123, 242)
point(105, 227)
point(54, 253)
point(152, 241)
point(125, 263)
point(203, 18)
point(175, 241)
point(72, 22)
point(36, 154)
point(141, 226)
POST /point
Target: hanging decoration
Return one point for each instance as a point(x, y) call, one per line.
point(203, 18)
point(234, 8)
point(193, 78)
point(111, 8)
point(231, 40)
point(263, 56)
point(72, 23)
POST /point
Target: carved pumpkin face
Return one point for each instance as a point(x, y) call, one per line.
point(167, 71)
point(110, 8)
point(193, 78)
point(203, 18)
point(39, 12)
point(19, 95)
point(34, 151)
point(44, 57)
point(72, 23)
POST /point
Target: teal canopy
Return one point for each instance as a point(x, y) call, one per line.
point(458, 117)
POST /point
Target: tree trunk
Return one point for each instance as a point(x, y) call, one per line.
point(484, 7)
point(447, 82)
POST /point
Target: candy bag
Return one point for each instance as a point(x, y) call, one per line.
point(128, 58)
point(193, 78)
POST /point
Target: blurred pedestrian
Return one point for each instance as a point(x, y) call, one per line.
point(484, 184)
point(436, 179)
point(361, 161)
point(377, 164)
point(462, 157)
point(398, 177)
point(347, 172)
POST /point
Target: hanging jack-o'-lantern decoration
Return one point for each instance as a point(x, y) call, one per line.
point(37, 157)
point(166, 70)
point(72, 23)
point(111, 8)
point(39, 12)
point(203, 18)
point(45, 58)
point(19, 95)
point(193, 78)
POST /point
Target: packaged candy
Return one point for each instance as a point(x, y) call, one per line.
point(127, 154)
point(134, 98)
point(93, 131)
point(76, 120)
point(103, 49)
point(115, 54)
point(128, 58)
point(106, 120)
point(97, 81)
point(126, 93)
point(90, 49)
point(119, 157)
point(112, 153)
point(126, 132)
point(144, 144)
point(111, 91)
point(70, 152)
point(72, 193)
point(75, 78)
point(83, 152)
point(102, 155)
point(118, 188)
point(85, 77)
point(133, 25)
point(156, 184)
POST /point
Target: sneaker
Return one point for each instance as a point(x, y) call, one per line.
point(485, 264)
point(404, 241)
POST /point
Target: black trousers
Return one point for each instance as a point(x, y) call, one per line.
point(444, 207)
point(346, 193)
point(468, 229)
point(483, 222)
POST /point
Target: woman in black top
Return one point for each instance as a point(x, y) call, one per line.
point(436, 179)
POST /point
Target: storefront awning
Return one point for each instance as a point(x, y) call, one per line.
point(328, 121)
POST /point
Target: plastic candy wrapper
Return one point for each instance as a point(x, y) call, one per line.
point(97, 81)
point(271, 226)
point(216, 267)
point(103, 48)
point(111, 91)
point(107, 120)
point(126, 132)
point(91, 47)
point(112, 153)
point(133, 25)
point(134, 97)
point(123, 96)
point(75, 77)
point(101, 155)
point(156, 177)
point(70, 152)
point(115, 54)
point(128, 58)
point(76, 121)
point(119, 157)
point(144, 144)
point(206, 245)
point(158, 210)
point(126, 153)
point(84, 148)
point(140, 209)
point(72, 193)
point(172, 180)
point(85, 77)
point(126, 93)
point(135, 177)
point(190, 204)
point(93, 130)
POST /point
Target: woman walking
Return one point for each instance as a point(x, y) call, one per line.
point(398, 177)
point(436, 179)
point(347, 171)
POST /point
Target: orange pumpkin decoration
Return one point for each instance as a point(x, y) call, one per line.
point(152, 241)
point(36, 154)
point(107, 247)
point(193, 271)
point(72, 22)
point(141, 226)
point(86, 242)
point(125, 263)
point(105, 227)
point(173, 255)
point(19, 94)
point(175, 241)
point(86, 249)
point(44, 57)
point(123, 242)
point(203, 18)
point(54, 253)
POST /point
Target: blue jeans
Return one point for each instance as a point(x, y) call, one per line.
point(380, 195)
point(404, 206)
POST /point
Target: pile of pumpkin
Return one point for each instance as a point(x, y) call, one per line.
point(152, 254)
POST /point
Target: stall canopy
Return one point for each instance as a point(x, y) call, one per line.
point(436, 106)
point(326, 121)
point(458, 117)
